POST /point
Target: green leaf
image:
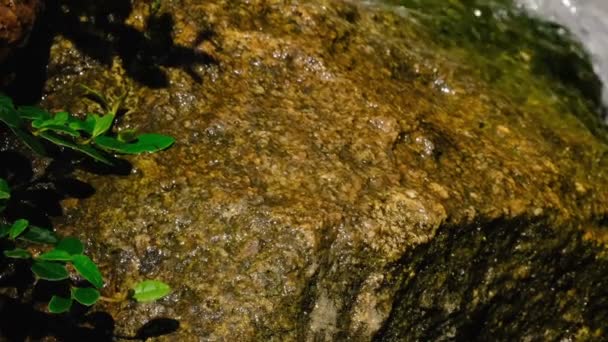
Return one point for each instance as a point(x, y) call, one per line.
point(96, 96)
point(127, 136)
point(60, 119)
point(17, 228)
point(5, 101)
point(4, 229)
point(86, 126)
point(49, 270)
point(11, 118)
point(144, 143)
point(39, 235)
point(102, 124)
point(87, 269)
point(5, 193)
point(118, 103)
point(55, 255)
point(85, 295)
point(33, 113)
point(71, 245)
point(150, 290)
point(86, 149)
point(59, 305)
point(18, 253)
point(61, 130)
point(5, 190)
point(8, 114)
point(30, 141)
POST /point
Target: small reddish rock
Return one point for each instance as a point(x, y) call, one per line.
point(17, 18)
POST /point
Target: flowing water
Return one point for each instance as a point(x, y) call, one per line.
point(587, 20)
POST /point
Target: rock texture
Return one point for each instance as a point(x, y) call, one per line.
point(17, 17)
point(337, 175)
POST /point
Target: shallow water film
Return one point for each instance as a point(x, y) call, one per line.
point(343, 170)
point(587, 20)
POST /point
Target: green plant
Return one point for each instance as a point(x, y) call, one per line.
point(64, 255)
point(63, 259)
point(91, 136)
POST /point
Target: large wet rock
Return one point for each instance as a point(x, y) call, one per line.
point(338, 174)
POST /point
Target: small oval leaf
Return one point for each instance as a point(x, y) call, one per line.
point(144, 143)
point(49, 270)
point(8, 114)
point(86, 126)
point(33, 113)
point(150, 290)
point(61, 130)
point(18, 253)
point(59, 304)
point(71, 245)
point(87, 269)
point(4, 229)
point(39, 235)
point(127, 135)
point(85, 295)
point(17, 228)
point(102, 124)
point(5, 190)
point(86, 149)
point(55, 255)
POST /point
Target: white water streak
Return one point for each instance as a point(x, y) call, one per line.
point(587, 20)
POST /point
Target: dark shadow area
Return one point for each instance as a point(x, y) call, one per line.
point(36, 195)
point(21, 322)
point(38, 198)
point(25, 72)
point(154, 328)
point(503, 280)
point(98, 29)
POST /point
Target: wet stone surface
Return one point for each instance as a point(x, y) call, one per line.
point(321, 146)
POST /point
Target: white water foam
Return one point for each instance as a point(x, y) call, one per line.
point(587, 20)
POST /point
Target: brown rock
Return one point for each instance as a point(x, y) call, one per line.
point(17, 17)
point(337, 171)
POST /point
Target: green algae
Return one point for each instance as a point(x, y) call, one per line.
point(329, 140)
point(524, 58)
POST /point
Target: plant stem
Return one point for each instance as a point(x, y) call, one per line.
point(116, 299)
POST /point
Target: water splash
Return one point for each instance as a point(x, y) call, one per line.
point(587, 20)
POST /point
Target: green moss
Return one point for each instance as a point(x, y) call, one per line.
point(276, 215)
point(529, 60)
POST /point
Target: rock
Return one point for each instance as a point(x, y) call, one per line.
point(339, 173)
point(17, 17)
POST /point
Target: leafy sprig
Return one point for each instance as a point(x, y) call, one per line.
point(65, 258)
point(92, 136)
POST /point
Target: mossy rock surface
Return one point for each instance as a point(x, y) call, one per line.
point(340, 172)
